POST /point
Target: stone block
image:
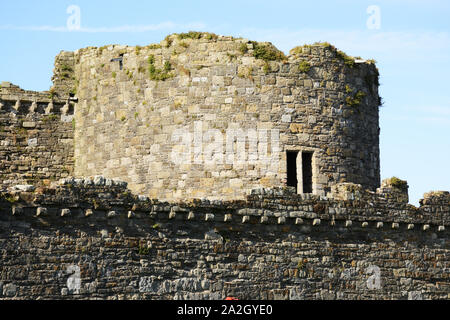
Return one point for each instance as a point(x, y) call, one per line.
point(9, 290)
point(65, 212)
point(41, 212)
point(29, 124)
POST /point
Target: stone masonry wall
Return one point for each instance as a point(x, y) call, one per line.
point(230, 229)
point(93, 239)
point(36, 137)
point(140, 110)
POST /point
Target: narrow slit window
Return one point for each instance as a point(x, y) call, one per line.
point(307, 172)
point(291, 157)
point(120, 59)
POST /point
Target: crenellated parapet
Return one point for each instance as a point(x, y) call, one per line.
point(15, 100)
point(36, 136)
point(273, 244)
point(280, 207)
point(436, 203)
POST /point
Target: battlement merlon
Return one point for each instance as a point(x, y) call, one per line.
point(64, 81)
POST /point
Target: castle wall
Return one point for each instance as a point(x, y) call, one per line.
point(159, 135)
point(36, 137)
point(93, 239)
point(151, 123)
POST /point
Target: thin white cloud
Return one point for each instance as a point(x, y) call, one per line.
point(117, 29)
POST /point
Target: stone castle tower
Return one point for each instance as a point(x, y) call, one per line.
point(206, 116)
point(148, 131)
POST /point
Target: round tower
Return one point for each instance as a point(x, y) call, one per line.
point(207, 116)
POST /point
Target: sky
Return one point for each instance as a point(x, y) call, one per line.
point(410, 40)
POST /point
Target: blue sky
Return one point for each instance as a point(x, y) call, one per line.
point(411, 46)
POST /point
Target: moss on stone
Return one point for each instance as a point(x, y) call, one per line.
point(141, 69)
point(159, 74)
point(195, 35)
point(302, 49)
point(266, 68)
point(143, 250)
point(52, 94)
point(304, 66)
point(50, 117)
point(101, 49)
point(184, 44)
point(267, 52)
point(296, 51)
point(11, 199)
point(137, 50)
point(243, 48)
point(21, 131)
point(356, 100)
point(154, 46)
point(348, 61)
point(167, 66)
point(398, 183)
point(66, 68)
point(231, 56)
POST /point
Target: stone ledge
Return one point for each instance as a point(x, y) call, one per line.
point(278, 206)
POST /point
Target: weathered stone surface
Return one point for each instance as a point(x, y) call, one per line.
point(235, 230)
point(168, 126)
point(155, 257)
point(24, 188)
point(36, 148)
point(29, 124)
point(9, 290)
